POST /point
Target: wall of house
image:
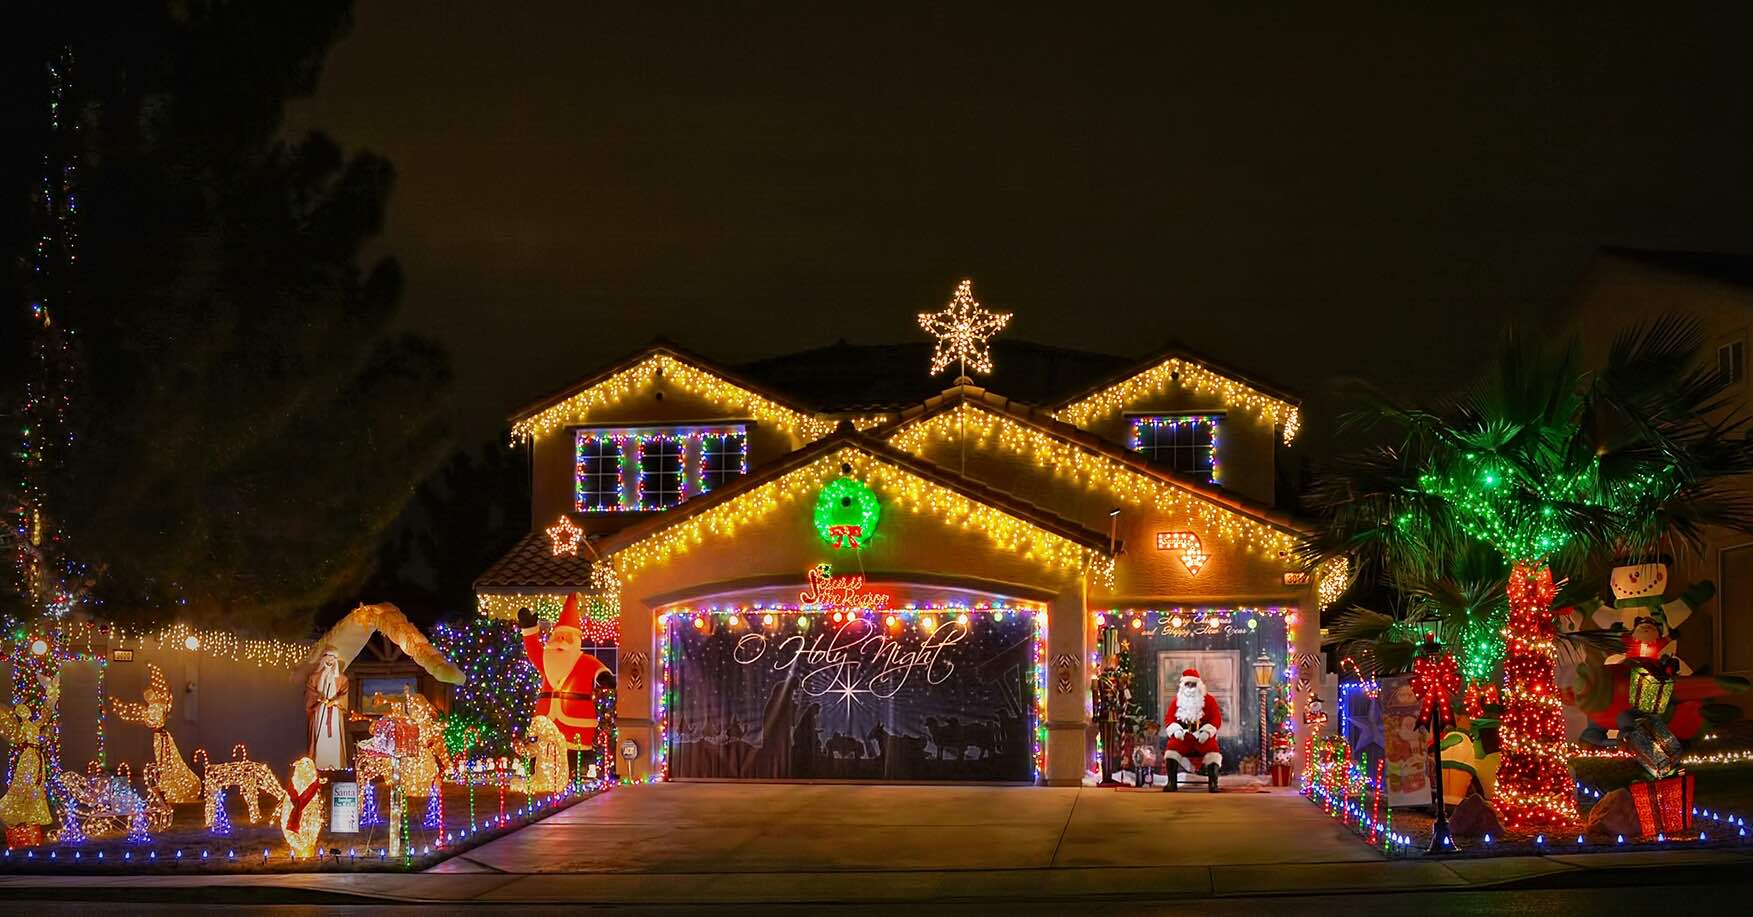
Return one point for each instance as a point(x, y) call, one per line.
point(659, 403)
point(1234, 571)
point(1617, 294)
point(1246, 448)
point(909, 547)
point(218, 703)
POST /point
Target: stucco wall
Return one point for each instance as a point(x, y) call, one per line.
point(1246, 446)
point(219, 703)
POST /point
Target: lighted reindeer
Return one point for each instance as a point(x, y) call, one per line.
point(175, 780)
point(249, 778)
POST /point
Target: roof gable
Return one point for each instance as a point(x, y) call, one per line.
point(687, 371)
point(1012, 524)
point(996, 422)
point(1175, 367)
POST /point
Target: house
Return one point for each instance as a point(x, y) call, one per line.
point(828, 566)
point(1625, 286)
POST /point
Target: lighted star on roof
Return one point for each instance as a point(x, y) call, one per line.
point(961, 331)
point(564, 536)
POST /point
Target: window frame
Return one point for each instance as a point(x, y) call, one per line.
point(1214, 420)
point(579, 438)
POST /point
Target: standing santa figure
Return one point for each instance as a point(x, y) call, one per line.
point(1191, 727)
point(569, 675)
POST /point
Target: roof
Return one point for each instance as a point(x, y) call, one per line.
point(1042, 420)
point(350, 634)
point(531, 566)
point(867, 378)
point(679, 366)
point(1725, 267)
point(1112, 393)
point(846, 437)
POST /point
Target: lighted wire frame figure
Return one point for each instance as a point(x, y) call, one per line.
point(26, 800)
point(177, 782)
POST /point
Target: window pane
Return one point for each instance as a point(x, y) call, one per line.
point(1183, 443)
point(723, 456)
point(661, 483)
point(597, 481)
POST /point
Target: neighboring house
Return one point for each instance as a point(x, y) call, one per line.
point(995, 543)
point(1623, 287)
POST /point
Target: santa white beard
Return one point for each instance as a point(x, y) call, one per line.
point(1190, 704)
point(558, 663)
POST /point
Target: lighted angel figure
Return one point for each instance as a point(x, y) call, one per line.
point(26, 801)
point(176, 781)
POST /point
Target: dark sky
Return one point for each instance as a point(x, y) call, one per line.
point(1308, 194)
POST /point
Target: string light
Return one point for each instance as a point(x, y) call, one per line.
point(1534, 784)
point(669, 369)
point(1182, 373)
point(897, 486)
point(564, 537)
point(962, 330)
point(1332, 578)
point(1193, 555)
point(262, 652)
point(1094, 470)
point(1173, 423)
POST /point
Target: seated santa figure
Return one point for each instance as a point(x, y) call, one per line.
point(1191, 726)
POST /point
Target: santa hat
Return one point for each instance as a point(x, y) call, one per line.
point(1190, 673)
point(569, 615)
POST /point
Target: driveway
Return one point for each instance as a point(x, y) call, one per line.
point(696, 828)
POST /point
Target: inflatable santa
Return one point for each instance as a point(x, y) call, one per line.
point(1191, 726)
point(569, 674)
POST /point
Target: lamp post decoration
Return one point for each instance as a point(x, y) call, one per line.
point(1436, 679)
point(1263, 682)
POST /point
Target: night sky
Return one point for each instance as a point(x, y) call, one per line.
point(1307, 195)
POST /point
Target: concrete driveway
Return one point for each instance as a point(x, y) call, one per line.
point(697, 828)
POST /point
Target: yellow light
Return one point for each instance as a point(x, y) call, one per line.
point(699, 623)
point(894, 484)
point(767, 619)
point(890, 620)
point(673, 372)
point(962, 619)
point(1183, 373)
point(191, 643)
point(961, 330)
point(929, 623)
point(1092, 469)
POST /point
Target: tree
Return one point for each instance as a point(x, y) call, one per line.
point(251, 423)
point(1549, 466)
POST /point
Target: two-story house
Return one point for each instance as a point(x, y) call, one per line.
point(919, 588)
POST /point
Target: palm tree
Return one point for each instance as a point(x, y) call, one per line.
point(1548, 465)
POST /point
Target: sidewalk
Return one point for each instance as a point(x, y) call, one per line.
point(681, 844)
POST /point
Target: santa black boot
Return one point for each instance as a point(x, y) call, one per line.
point(1211, 772)
point(1174, 769)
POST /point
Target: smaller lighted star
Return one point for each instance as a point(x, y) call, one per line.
point(565, 535)
point(961, 330)
point(847, 691)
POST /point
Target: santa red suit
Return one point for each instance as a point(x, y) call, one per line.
point(1191, 725)
point(569, 675)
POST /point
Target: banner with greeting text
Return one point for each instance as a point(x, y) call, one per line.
point(857, 700)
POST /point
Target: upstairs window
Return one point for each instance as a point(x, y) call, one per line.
point(1186, 443)
point(599, 483)
point(1731, 362)
point(661, 470)
point(631, 469)
point(723, 457)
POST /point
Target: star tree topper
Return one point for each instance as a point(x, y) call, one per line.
point(961, 331)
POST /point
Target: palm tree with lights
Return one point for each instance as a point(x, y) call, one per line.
point(1551, 467)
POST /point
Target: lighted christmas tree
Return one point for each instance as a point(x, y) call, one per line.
point(221, 818)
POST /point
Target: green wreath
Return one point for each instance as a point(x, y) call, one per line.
point(845, 502)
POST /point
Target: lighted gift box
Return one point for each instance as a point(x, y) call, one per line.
point(18, 836)
point(1664, 806)
point(1654, 746)
point(1651, 692)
